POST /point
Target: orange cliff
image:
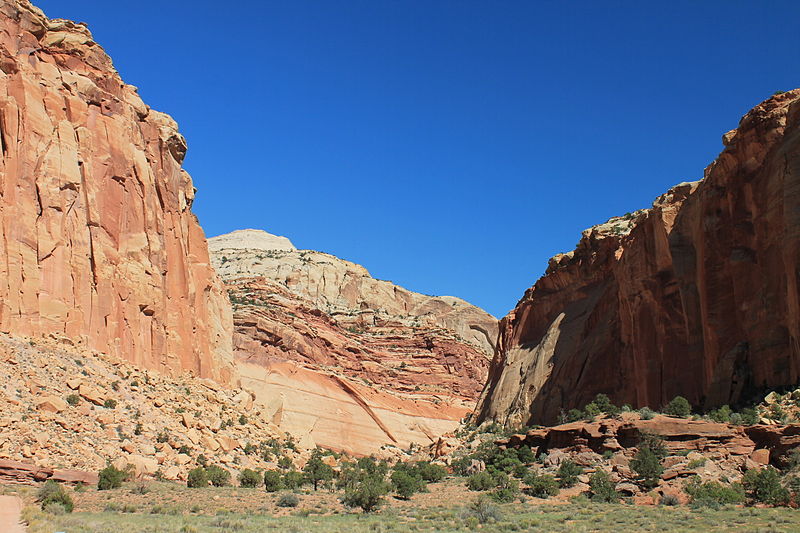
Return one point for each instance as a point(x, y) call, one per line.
point(99, 244)
point(696, 296)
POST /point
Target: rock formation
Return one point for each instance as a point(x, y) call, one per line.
point(696, 296)
point(99, 243)
point(344, 360)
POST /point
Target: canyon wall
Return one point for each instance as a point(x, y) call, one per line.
point(695, 296)
point(344, 360)
point(98, 243)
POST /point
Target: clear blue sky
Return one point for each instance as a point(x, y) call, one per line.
point(449, 146)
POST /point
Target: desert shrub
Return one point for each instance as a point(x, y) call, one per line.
point(73, 399)
point(507, 489)
point(273, 481)
point(249, 478)
point(288, 499)
point(568, 473)
point(197, 478)
point(648, 467)
point(764, 486)
point(367, 493)
point(670, 500)
point(432, 473)
point(162, 437)
point(541, 485)
point(655, 443)
point(696, 463)
point(406, 484)
point(481, 481)
point(317, 470)
point(749, 416)
point(646, 413)
point(218, 476)
point(574, 415)
point(111, 477)
point(722, 415)
point(202, 460)
point(482, 510)
point(284, 463)
point(110, 403)
point(679, 406)
point(602, 488)
point(293, 479)
point(602, 404)
point(713, 494)
point(54, 499)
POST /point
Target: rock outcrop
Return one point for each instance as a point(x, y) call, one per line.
point(97, 239)
point(696, 296)
point(344, 360)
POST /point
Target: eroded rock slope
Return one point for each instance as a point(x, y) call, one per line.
point(344, 360)
point(695, 296)
point(97, 239)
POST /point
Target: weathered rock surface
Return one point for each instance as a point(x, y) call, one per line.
point(344, 360)
point(697, 296)
point(99, 243)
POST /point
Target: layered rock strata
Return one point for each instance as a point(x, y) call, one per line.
point(99, 243)
point(344, 360)
point(696, 296)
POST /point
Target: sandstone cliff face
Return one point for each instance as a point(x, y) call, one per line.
point(696, 296)
point(98, 241)
point(344, 360)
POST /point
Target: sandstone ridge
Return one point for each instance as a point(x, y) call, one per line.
point(344, 360)
point(696, 296)
point(99, 243)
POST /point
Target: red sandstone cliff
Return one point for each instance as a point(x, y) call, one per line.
point(696, 296)
point(97, 239)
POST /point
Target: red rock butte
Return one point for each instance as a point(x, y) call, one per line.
point(99, 244)
point(696, 296)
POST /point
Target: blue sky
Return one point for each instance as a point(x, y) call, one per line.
point(449, 146)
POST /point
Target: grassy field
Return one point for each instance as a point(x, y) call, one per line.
point(165, 507)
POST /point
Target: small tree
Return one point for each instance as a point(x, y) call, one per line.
point(481, 481)
point(507, 489)
point(249, 478)
point(406, 484)
point(197, 478)
point(568, 473)
point(317, 470)
point(648, 467)
point(541, 485)
point(603, 489)
point(273, 481)
point(293, 479)
point(432, 473)
point(111, 477)
point(679, 406)
point(764, 486)
point(367, 493)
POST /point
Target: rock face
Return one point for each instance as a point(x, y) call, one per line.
point(344, 360)
point(99, 243)
point(696, 296)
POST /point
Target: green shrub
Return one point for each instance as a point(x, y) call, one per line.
point(482, 511)
point(648, 467)
point(481, 481)
point(432, 473)
point(288, 499)
point(111, 477)
point(722, 415)
point(293, 479)
point(670, 500)
point(507, 489)
point(696, 463)
point(713, 494)
point(541, 485)
point(202, 460)
point(367, 493)
point(249, 478)
point(764, 486)
point(568, 473)
point(679, 406)
point(110, 403)
point(602, 488)
point(218, 476)
point(273, 481)
point(655, 443)
point(73, 399)
point(54, 499)
point(646, 413)
point(604, 405)
point(406, 484)
point(574, 415)
point(197, 478)
point(749, 416)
